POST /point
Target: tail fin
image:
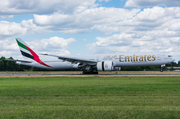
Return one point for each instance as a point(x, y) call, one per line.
point(28, 52)
point(25, 50)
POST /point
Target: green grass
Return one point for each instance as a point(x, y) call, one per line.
point(90, 97)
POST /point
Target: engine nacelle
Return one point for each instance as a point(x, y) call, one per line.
point(107, 66)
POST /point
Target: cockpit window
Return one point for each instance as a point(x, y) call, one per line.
point(169, 55)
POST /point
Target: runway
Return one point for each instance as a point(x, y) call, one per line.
point(78, 74)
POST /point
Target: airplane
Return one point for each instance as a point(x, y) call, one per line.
point(90, 64)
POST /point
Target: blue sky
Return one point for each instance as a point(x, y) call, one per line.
point(65, 27)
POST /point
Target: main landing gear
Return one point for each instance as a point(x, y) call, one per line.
point(90, 72)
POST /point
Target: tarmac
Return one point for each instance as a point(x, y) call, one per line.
point(79, 74)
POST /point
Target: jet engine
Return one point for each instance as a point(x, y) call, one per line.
point(107, 66)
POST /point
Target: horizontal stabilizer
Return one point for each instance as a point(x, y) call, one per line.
point(23, 61)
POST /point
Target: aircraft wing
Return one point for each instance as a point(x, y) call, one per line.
point(23, 61)
point(74, 60)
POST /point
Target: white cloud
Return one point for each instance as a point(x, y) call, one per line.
point(105, 20)
point(151, 19)
point(151, 3)
point(85, 21)
point(7, 17)
point(154, 29)
point(8, 48)
point(173, 25)
point(9, 7)
point(53, 45)
point(128, 43)
point(32, 28)
point(104, 0)
point(8, 45)
point(53, 42)
point(11, 29)
point(53, 19)
point(158, 14)
point(82, 20)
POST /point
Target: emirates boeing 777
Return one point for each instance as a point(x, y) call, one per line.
point(91, 64)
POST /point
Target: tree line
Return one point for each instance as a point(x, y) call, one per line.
point(6, 65)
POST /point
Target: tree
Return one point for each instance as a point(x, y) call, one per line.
point(1, 65)
point(178, 63)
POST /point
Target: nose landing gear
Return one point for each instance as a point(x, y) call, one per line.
point(162, 67)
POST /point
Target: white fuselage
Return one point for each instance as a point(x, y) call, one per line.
point(119, 60)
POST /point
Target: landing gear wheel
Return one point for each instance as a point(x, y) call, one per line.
point(162, 66)
point(86, 72)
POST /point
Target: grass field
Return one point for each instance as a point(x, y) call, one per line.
point(90, 97)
